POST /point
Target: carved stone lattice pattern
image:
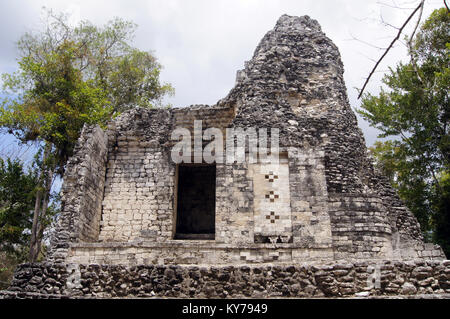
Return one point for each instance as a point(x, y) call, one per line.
point(271, 176)
point(272, 217)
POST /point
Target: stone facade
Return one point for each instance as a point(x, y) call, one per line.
point(279, 230)
point(356, 280)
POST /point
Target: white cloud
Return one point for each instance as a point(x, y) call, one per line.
point(74, 13)
point(202, 43)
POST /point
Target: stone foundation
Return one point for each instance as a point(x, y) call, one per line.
point(194, 252)
point(359, 279)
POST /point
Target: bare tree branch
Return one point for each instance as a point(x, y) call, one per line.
point(410, 48)
point(353, 38)
point(390, 46)
point(395, 6)
point(386, 23)
point(367, 57)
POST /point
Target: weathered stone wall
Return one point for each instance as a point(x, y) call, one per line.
point(360, 227)
point(137, 202)
point(195, 252)
point(327, 202)
point(211, 116)
point(234, 204)
point(384, 278)
point(82, 193)
point(140, 178)
point(214, 253)
point(272, 201)
point(311, 224)
point(294, 82)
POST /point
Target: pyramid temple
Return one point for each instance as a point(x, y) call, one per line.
point(321, 222)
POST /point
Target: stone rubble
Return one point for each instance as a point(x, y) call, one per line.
point(287, 281)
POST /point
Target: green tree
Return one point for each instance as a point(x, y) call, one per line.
point(414, 112)
point(406, 177)
point(441, 216)
point(69, 76)
point(17, 197)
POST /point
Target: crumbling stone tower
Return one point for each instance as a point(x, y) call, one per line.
point(130, 214)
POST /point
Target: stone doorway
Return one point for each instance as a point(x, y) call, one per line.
point(196, 201)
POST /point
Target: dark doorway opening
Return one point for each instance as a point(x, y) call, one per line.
point(196, 202)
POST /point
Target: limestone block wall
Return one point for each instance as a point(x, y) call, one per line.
point(193, 252)
point(360, 227)
point(139, 181)
point(295, 192)
point(128, 186)
point(82, 193)
point(326, 203)
point(272, 201)
point(211, 116)
point(138, 199)
point(234, 204)
point(310, 217)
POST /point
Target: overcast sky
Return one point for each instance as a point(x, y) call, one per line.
point(202, 43)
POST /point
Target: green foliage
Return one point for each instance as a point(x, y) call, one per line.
point(17, 191)
point(133, 80)
point(69, 76)
point(414, 112)
point(441, 216)
point(8, 263)
point(391, 158)
point(56, 105)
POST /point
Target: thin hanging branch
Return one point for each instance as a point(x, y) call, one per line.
point(400, 30)
point(410, 47)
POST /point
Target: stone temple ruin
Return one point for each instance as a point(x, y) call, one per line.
point(321, 223)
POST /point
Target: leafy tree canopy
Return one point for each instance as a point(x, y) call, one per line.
point(17, 191)
point(69, 76)
point(414, 112)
